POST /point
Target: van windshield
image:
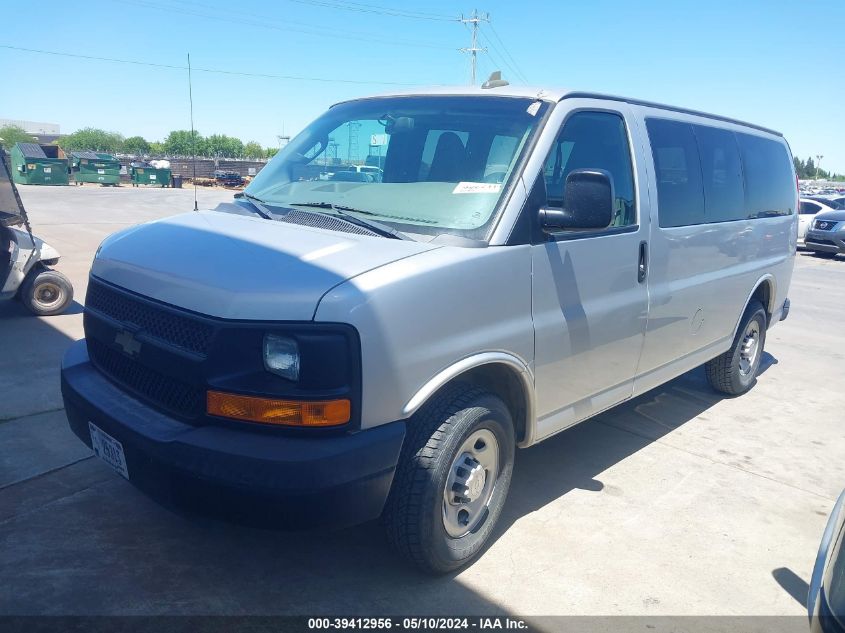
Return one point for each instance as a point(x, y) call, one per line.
point(423, 164)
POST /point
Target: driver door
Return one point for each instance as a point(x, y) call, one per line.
point(590, 300)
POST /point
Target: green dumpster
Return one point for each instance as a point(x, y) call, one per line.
point(146, 174)
point(95, 167)
point(34, 164)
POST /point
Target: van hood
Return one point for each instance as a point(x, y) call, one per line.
point(239, 267)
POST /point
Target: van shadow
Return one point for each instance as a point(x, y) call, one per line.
point(575, 457)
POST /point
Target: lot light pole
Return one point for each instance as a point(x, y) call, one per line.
point(818, 163)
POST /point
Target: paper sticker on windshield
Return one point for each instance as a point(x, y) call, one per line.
point(477, 187)
point(533, 108)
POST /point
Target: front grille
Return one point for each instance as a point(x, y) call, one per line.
point(181, 331)
point(171, 394)
point(824, 225)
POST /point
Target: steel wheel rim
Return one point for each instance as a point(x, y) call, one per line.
point(470, 484)
point(749, 348)
point(48, 295)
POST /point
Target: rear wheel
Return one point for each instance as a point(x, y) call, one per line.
point(46, 292)
point(452, 479)
point(735, 371)
point(824, 254)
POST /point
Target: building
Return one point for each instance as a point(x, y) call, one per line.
point(33, 127)
point(43, 133)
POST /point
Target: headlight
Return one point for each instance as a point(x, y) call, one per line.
point(281, 356)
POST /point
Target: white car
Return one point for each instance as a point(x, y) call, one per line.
point(807, 211)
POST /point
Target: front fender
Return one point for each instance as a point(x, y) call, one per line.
point(427, 318)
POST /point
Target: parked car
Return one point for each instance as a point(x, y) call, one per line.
point(826, 235)
point(357, 351)
point(826, 599)
point(808, 209)
point(834, 202)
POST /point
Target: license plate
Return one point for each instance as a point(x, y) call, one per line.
point(108, 449)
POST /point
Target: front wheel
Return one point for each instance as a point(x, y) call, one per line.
point(46, 292)
point(735, 371)
point(452, 479)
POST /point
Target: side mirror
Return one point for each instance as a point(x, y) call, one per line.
point(587, 202)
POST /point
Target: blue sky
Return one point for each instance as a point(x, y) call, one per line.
point(775, 63)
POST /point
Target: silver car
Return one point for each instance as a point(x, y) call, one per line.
point(323, 352)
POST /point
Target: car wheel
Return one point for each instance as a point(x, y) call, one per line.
point(735, 371)
point(824, 254)
point(452, 478)
point(47, 292)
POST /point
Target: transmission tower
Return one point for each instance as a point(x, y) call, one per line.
point(352, 148)
point(475, 19)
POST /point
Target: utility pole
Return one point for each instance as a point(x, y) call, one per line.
point(818, 163)
point(473, 50)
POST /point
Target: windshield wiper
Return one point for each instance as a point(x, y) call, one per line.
point(346, 213)
point(258, 205)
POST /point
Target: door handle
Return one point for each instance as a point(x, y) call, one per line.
point(642, 266)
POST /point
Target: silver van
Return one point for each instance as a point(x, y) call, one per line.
point(323, 353)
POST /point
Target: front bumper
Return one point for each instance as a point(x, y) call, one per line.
point(825, 241)
point(255, 477)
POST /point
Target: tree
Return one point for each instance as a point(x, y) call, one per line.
point(137, 145)
point(182, 143)
point(93, 139)
point(11, 134)
point(156, 148)
point(253, 150)
point(224, 146)
point(271, 151)
point(810, 168)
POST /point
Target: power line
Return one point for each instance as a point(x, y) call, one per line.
point(516, 67)
point(361, 7)
point(262, 22)
point(504, 63)
point(207, 70)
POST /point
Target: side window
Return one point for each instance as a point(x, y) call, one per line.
point(810, 208)
point(769, 183)
point(721, 170)
point(593, 140)
point(680, 192)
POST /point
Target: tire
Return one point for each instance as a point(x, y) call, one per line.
point(733, 372)
point(824, 254)
point(459, 419)
point(46, 292)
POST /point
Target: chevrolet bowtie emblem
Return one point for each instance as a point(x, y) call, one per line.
point(128, 343)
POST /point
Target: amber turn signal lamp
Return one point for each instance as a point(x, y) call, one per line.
point(279, 412)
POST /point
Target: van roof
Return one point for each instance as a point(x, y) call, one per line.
point(552, 95)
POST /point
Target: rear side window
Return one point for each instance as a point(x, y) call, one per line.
point(707, 174)
point(680, 192)
point(721, 170)
point(809, 208)
point(769, 184)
